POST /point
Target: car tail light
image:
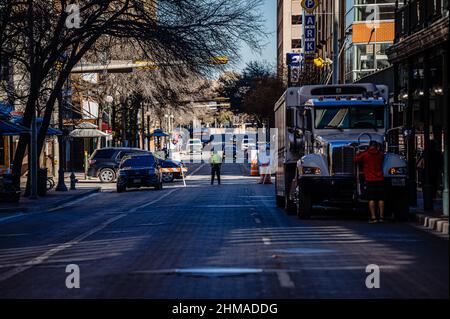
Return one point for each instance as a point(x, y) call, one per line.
point(91, 162)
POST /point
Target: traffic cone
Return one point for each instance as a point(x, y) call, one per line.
point(254, 169)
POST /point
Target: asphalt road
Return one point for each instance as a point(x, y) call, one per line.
point(227, 241)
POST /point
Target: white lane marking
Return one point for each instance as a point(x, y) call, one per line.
point(257, 220)
point(266, 240)
point(71, 203)
point(41, 258)
point(285, 279)
point(195, 171)
point(152, 202)
point(11, 217)
point(223, 206)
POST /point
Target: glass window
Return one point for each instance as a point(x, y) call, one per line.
point(354, 117)
point(296, 43)
point(139, 161)
point(374, 12)
point(296, 19)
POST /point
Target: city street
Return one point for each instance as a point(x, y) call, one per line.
point(202, 241)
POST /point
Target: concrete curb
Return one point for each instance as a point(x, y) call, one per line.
point(44, 207)
point(438, 224)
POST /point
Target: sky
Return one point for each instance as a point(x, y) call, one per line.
point(268, 52)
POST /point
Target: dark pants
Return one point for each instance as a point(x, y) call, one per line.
point(215, 170)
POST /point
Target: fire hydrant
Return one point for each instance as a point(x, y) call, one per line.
point(73, 181)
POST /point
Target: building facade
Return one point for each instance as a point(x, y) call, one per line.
point(289, 31)
point(369, 31)
point(420, 59)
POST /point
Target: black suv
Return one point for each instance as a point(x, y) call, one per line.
point(139, 171)
point(104, 162)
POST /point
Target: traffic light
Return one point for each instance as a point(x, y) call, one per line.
point(319, 62)
point(219, 60)
point(146, 65)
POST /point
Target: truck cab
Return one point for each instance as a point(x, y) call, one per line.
point(324, 128)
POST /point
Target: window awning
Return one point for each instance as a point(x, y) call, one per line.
point(50, 130)
point(87, 133)
point(10, 129)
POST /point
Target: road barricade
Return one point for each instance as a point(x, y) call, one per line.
point(254, 171)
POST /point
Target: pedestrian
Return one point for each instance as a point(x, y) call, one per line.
point(216, 162)
point(372, 163)
point(265, 162)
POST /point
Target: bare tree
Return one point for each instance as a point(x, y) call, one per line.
point(186, 31)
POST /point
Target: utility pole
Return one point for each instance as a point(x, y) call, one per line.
point(336, 70)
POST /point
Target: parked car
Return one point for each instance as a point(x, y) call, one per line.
point(170, 177)
point(104, 162)
point(137, 171)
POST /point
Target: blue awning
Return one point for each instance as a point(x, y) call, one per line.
point(11, 129)
point(50, 130)
point(159, 133)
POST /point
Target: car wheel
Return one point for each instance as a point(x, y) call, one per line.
point(107, 175)
point(168, 177)
point(121, 188)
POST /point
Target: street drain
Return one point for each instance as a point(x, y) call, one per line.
point(303, 251)
point(208, 271)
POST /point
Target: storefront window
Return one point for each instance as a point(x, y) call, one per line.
point(369, 58)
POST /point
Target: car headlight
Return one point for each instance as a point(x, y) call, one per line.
point(398, 171)
point(311, 170)
point(122, 173)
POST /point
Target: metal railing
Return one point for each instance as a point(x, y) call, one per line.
point(416, 15)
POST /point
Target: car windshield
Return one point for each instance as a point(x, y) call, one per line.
point(138, 161)
point(349, 117)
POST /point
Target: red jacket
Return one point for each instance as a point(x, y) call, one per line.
point(372, 161)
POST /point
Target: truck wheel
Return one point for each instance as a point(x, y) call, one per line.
point(400, 209)
point(304, 205)
point(279, 201)
point(289, 206)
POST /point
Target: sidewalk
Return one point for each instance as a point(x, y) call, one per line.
point(51, 200)
point(433, 220)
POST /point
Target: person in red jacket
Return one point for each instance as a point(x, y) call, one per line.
point(372, 165)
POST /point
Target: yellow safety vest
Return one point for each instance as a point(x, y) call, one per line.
point(215, 159)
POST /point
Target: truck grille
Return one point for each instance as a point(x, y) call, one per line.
point(343, 161)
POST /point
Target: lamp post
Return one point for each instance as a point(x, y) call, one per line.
point(109, 100)
point(61, 187)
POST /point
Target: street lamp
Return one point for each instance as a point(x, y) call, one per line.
point(109, 100)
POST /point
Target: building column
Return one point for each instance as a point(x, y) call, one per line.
point(411, 146)
point(445, 88)
point(425, 104)
point(395, 108)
